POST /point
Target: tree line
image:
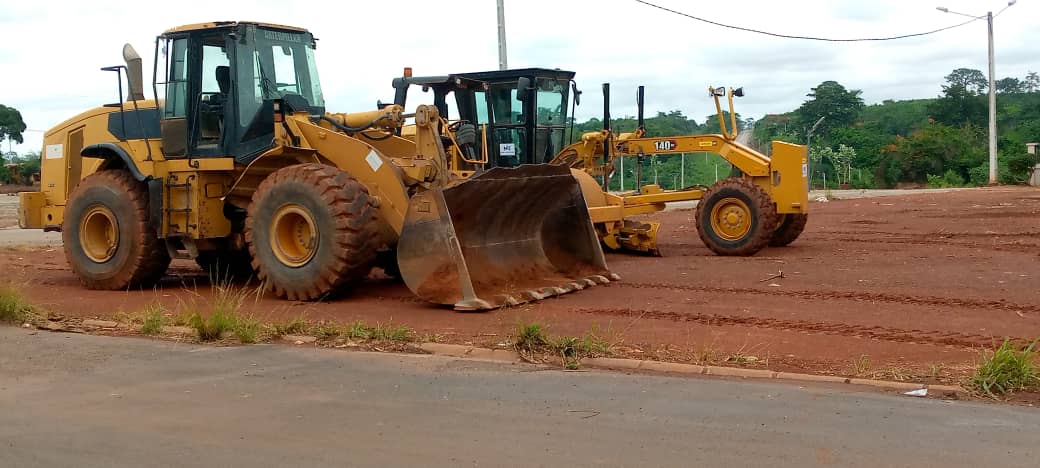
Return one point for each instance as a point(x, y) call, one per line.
point(941, 141)
point(938, 142)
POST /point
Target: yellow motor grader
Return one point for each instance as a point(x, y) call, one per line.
point(237, 164)
point(523, 119)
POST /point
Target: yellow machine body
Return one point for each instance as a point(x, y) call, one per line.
point(198, 204)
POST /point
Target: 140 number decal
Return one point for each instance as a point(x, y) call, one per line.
point(665, 145)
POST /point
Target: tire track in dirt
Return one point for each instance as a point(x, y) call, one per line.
point(1001, 242)
point(899, 335)
point(849, 295)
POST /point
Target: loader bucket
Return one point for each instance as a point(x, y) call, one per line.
point(501, 238)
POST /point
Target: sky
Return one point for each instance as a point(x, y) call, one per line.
point(52, 50)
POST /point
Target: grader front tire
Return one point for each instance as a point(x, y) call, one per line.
point(106, 236)
point(788, 228)
point(311, 231)
point(736, 217)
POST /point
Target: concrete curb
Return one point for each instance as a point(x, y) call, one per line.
point(501, 355)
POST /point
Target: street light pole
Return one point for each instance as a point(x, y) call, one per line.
point(992, 88)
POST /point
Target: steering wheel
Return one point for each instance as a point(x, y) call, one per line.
point(454, 126)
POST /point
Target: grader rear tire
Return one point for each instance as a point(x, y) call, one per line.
point(312, 231)
point(736, 217)
point(106, 236)
point(788, 228)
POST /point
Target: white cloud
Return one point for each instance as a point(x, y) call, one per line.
point(52, 50)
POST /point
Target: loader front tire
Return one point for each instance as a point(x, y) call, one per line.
point(736, 217)
point(788, 228)
point(312, 231)
point(107, 239)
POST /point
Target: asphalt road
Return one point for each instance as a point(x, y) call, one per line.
point(85, 401)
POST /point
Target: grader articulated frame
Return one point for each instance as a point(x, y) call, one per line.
point(523, 117)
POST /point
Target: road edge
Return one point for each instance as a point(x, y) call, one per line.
point(503, 355)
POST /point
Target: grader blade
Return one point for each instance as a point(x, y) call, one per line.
point(502, 238)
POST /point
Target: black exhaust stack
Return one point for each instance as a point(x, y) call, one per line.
point(607, 142)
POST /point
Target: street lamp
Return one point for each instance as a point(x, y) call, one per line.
point(992, 89)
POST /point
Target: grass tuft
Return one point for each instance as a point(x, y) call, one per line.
point(358, 331)
point(390, 333)
point(1006, 370)
point(14, 307)
point(530, 337)
point(326, 330)
point(295, 326)
point(154, 318)
point(213, 327)
point(246, 329)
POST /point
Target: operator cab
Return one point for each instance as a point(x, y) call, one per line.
point(217, 84)
point(524, 110)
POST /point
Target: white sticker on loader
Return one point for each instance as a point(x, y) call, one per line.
point(374, 161)
point(55, 151)
point(805, 170)
point(507, 149)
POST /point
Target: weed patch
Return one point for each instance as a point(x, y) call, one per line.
point(532, 339)
point(295, 326)
point(14, 307)
point(154, 319)
point(1006, 370)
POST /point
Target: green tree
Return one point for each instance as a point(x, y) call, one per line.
point(968, 78)
point(959, 106)
point(1010, 85)
point(1032, 82)
point(11, 124)
point(711, 122)
point(829, 99)
point(938, 148)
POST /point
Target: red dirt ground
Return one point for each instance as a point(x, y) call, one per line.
point(899, 287)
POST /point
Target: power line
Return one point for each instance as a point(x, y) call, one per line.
point(808, 38)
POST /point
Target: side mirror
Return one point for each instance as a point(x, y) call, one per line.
point(576, 93)
point(133, 73)
point(523, 87)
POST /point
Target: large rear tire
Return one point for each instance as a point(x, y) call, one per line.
point(736, 217)
point(788, 228)
point(312, 231)
point(106, 236)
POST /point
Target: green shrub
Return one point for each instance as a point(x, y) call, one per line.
point(1006, 370)
point(14, 307)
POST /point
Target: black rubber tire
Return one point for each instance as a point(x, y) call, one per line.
point(221, 265)
point(762, 212)
point(346, 221)
point(788, 228)
point(140, 258)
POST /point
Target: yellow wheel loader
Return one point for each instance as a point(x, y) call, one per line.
point(237, 164)
point(523, 119)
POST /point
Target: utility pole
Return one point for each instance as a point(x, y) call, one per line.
point(992, 87)
point(992, 105)
point(808, 150)
point(502, 64)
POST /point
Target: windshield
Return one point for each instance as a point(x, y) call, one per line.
point(277, 64)
point(551, 99)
